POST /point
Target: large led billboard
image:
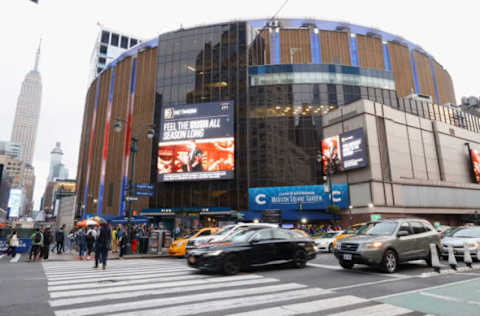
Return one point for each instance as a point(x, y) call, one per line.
point(344, 152)
point(196, 142)
point(15, 202)
point(475, 157)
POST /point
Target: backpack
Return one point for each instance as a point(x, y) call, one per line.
point(37, 238)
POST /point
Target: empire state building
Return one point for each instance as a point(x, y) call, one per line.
point(25, 126)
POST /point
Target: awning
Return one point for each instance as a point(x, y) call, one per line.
point(137, 220)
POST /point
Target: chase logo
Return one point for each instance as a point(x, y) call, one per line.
point(260, 199)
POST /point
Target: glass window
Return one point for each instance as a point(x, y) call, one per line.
point(405, 227)
point(102, 60)
point(265, 234)
point(205, 233)
point(105, 37)
point(133, 42)
point(417, 227)
point(114, 40)
point(281, 234)
point(103, 49)
point(380, 229)
point(124, 42)
point(467, 232)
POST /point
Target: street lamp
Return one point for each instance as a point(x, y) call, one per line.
point(132, 193)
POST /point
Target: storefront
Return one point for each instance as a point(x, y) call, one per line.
point(190, 219)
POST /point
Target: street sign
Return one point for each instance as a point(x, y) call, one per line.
point(144, 193)
point(131, 198)
point(375, 217)
point(145, 186)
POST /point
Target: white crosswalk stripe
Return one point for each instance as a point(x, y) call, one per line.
point(16, 258)
point(163, 287)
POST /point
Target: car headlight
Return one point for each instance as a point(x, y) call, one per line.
point(315, 248)
point(373, 245)
point(213, 253)
point(473, 245)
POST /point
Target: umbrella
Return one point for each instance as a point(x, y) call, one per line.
point(88, 222)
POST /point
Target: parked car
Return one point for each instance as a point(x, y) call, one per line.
point(222, 234)
point(387, 243)
point(178, 247)
point(325, 241)
point(458, 238)
point(253, 247)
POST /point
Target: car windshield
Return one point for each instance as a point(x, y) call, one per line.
point(241, 235)
point(467, 232)
point(329, 235)
point(224, 231)
point(378, 229)
point(449, 232)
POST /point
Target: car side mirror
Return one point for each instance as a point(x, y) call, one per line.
point(402, 233)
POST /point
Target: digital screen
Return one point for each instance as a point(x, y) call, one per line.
point(344, 152)
point(15, 202)
point(475, 156)
point(196, 142)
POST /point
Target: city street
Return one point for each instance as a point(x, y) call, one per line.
point(168, 287)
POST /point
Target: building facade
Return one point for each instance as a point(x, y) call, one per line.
point(57, 168)
point(10, 149)
point(27, 115)
point(283, 78)
point(108, 46)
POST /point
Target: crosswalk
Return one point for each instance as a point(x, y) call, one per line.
point(167, 287)
point(5, 258)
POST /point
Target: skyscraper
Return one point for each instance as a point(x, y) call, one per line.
point(27, 114)
point(57, 168)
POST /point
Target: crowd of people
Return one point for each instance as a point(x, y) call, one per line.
point(97, 240)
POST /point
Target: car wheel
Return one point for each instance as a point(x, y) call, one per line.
point(231, 265)
point(390, 261)
point(300, 259)
point(346, 264)
point(330, 248)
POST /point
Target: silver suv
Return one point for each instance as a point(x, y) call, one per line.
point(387, 243)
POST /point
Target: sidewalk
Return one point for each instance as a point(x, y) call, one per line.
point(73, 256)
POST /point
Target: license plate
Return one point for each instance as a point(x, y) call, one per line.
point(191, 260)
point(347, 256)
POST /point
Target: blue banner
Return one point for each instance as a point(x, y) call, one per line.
point(307, 197)
point(24, 245)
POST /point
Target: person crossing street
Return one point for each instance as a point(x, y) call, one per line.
point(37, 244)
point(102, 245)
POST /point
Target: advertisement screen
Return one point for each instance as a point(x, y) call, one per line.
point(15, 202)
point(344, 152)
point(196, 142)
point(475, 156)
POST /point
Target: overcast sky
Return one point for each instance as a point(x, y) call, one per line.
point(446, 29)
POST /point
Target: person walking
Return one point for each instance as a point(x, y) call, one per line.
point(82, 243)
point(102, 244)
point(37, 243)
point(122, 241)
point(114, 239)
point(60, 238)
point(13, 243)
point(90, 238)
point(47, 240)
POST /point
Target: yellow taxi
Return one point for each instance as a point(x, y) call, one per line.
point(178, 247)
point(352, 230)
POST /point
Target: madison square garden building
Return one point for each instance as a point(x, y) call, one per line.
point(255, 115)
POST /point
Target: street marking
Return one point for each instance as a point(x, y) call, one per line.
point(327, 266)
point(375, 310)
point(423, 289)
point(367, 284)
point(16, 258)
point(111, 268)
point(93, 286)
point(121, 277)
point(1, 256)
point(129, 293)
point(180, 301)
point(307, 308)
point(100, 272)
point(449, 298)
point(169, 285)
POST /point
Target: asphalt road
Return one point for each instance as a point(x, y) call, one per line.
point(168, 287)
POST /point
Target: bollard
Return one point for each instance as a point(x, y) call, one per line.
point(467, 257)
point(434, 258)
point(478, 253)
point(452, 261)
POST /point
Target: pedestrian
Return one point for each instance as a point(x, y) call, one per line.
point(114, 239)
point(13, 243)
point(47, 240)
point(133, 239)
point(70, 241)
point(37, 243)
point(102, 244)
point(90, 239)
point(60, 239)
point(81, 239)
point(122, 241)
